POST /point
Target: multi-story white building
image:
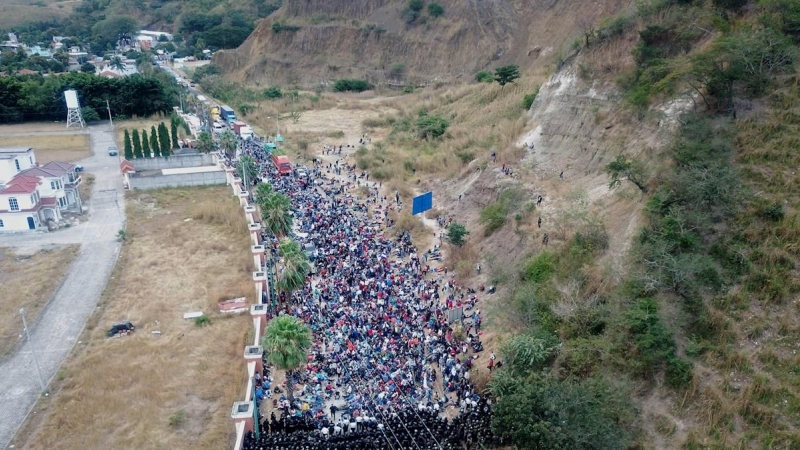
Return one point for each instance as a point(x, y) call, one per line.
point(33, 196)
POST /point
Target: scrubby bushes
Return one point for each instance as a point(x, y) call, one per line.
point(351, 85)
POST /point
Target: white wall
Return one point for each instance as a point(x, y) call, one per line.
point(24, 201)
point(8, 169)
point(17, 222)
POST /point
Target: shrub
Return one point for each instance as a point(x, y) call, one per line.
point(415, 5)
point(539, 268)
point(484, 76)
point(493, 217)
point(774, 212)
point(435, 9)
point(431, 126)
point(272, 92)
point(408, 89)
point(679, 373)
point(530, 352)
point(177, 419)
point(528, 99)
point(202, 321)
point(351, 85)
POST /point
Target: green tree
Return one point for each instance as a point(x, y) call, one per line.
point(163, 140)
point(128, 146)
point(88, 68)
point(154, 141)
point(205, 143)
point(174, 129)
point(227, 142)
point(263, 190)
point(286, 342)
point(137, 144)
point(276, 213)
point(506, 74)
point(624, 169)
point(541, 412)
point(89, 114)
point(146, 150)
point(351, 85)
point(456, 234)
point(246, 168)
point(295, 266)
point(116, 63)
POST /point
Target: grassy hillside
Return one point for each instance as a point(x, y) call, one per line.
point(659, 316)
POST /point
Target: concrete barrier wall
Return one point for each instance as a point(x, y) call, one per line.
point(173, 162)
point(177, 180)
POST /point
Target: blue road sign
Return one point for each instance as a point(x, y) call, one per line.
point(422, 203)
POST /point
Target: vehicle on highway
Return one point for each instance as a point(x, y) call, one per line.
point(112, 151)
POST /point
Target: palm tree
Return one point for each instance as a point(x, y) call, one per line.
point(276, 213)
point(205, 143)
point(227, 142)
point(247, 169)
point(116, 63)
point(286, 341)
point(263, 190)
point(295, 266)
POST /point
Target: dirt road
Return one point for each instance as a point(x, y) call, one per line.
point(63, 318)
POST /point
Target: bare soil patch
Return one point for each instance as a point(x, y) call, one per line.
point(170, 384)
point(28, 280)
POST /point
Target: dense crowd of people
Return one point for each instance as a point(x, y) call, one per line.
point(385, 369)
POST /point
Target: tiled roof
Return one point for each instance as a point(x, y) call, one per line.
point(42, 172)
point(19, 187)
point(57, 165)
point(126, 166)
point(48, 201)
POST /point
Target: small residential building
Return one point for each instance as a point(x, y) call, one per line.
point(156, 35)
point(33, 196)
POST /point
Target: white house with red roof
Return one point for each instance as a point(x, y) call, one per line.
point(34, 196)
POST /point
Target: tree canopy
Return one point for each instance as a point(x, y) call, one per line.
point(506, 74)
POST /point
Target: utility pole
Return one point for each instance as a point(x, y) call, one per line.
point(113, 132)
point(33, 352)
point(110, 120)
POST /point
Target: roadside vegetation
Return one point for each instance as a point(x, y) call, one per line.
point(702, 318)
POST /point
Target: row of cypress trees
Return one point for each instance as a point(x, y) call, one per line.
point(158, 144)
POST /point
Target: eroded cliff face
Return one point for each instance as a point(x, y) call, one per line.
point(366, 38)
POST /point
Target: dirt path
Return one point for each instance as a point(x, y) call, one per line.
point(62, 320)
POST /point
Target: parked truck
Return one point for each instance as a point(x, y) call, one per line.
point(282, 164)
point(242, 129)
point(227, 114)
point(215, 113)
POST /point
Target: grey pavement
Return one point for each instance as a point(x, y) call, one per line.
point(63, 318)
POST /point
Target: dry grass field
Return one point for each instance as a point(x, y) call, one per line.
point(66, 147)
point(171, 384)
point(14, 12)
point(28, 280)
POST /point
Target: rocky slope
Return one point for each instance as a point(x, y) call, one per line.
point(320, 40)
